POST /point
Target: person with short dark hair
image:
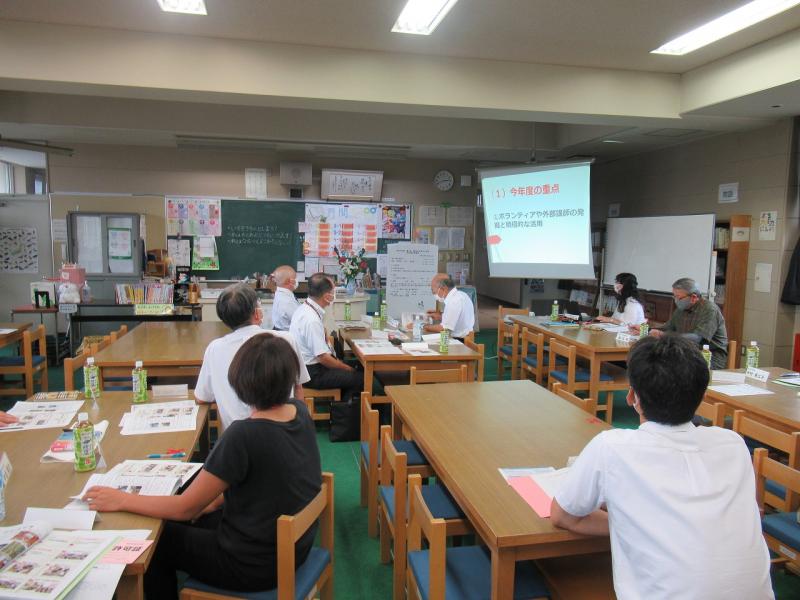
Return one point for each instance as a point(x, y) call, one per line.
point(680, 500)
point(326, 371)
point(223, 529)
point(239, 308)
point(629, 307)
point(458, 315)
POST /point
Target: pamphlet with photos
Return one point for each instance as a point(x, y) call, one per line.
point(158, 417)
point(42, 415)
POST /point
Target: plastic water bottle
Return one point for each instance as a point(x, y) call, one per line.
point(751, 355)
point(644, 330)
point(84, 444)
point(91, 379)
point(444, 341)
point(376, 321)
point(416, 329)
point(706, 352)
point(348, 314)
point(384, 311)
point(139, 376)
point(554, 311)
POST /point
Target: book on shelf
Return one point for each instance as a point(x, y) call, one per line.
point(144, 293)
point(719, 291)
point(722, 238)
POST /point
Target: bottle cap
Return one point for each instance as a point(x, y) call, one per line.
point(705, 346)
point(138, 364)
point(753, 343)
point(83, 416)
point(90, 360)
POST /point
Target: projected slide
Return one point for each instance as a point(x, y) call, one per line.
point(537, 221)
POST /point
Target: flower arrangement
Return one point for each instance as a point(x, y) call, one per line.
point(351, 264)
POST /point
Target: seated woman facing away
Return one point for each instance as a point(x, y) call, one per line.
point(629, 308)
point(261, 468)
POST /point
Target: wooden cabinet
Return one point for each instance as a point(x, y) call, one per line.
point(733, 241)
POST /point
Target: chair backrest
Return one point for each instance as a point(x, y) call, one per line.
point(115, 335)
point(767, 468)
point(71, 365)
point(38, 335)
point(456, 375)
point(733, 357)
point(587, 404)
point(422, 523)
point(105, 343)
point(292, 528)
point(528, 337)
point(394, 470)
point(504, 329)
point(788, 443)
point(712, 412)
point(469, 342)
point(508, 335)
point(369, 426)
point(567, 351)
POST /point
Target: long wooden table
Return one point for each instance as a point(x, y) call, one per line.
point(458, 354)
point(168, 349)
point(594, 345)
point(781, 409)
point(50, 485)
point(470, 430)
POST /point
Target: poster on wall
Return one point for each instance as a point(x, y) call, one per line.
point(348, 227)
point(19, 250)
point(119, 243)
point(204, 255)
point(194, 216)
point(394, 221)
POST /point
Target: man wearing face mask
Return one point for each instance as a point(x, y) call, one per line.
point(458, 315)
point(697, 319)
point(284, 304)
point(326, 371)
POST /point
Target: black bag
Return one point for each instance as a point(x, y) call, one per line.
point(345, 422)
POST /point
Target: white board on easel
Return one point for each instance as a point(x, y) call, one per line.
point(408, 278)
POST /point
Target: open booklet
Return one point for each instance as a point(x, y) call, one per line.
point(39, 562)
point(145, 477)
point(160, 417)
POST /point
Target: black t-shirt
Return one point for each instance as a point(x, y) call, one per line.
point(272, 469)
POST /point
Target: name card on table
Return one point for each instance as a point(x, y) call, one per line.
point(757, 374)
point(626, 338)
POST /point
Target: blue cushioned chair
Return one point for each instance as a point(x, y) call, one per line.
point(781, 529)
point(369, 462)
point(770, 438)
point(393, 513)
point(508, 341)
point(535, 356)
point(577, 379)
point(293, 583)
point(459, 573)
point(27, 366)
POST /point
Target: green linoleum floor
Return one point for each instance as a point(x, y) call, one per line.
point(358, 574)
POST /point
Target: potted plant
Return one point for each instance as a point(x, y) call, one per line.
point(351, 265)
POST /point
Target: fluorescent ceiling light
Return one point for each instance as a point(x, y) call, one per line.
point(736, 20)
point(613, 142)
point(421, 17)
point(189, 7)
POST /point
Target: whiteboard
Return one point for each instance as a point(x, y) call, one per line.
point(660, 250)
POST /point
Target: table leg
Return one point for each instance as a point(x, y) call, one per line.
point(502, 574)
point(130, 587)
point(369, 370)
point(594, 376)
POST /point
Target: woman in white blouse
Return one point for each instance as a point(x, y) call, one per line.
point(629, 309)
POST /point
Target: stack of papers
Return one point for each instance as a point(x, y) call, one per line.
point(376, 346)
point(743, 389)
point(160, 417)
point(63, 448)
point(42, 415)
point(536, 486)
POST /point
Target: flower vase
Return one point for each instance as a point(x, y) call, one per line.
point(350, 286)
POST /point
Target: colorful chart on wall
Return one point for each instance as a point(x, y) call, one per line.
point(193, 216)
point(348, 227)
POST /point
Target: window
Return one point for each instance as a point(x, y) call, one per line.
point(6, 178)
point(105, 244)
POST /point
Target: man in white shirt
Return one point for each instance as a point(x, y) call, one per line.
point(326, 371)
point(238, 307)
point(680, 501)
point(459, 312)
point(284, 303)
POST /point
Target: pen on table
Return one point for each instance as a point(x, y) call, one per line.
point(172, 455)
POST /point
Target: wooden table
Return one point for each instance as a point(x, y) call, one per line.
point(50, 485)
point(459, 354)
point(15, 336)
point(167, 349)
point(595, 346)
point(781, 409)
point(469, 430)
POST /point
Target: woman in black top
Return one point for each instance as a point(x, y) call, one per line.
point(263, 467)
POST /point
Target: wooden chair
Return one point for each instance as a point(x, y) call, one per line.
point(781, 529)
point(788, 443)
point(574, 378)
point(71, 366)
point(732, 356)
point(455, 375)
point(507, 340)
point(533, 365)
point(27, 365)
point(392, 508)
point(293, 582)
point(587, 404)
point(311, 394)
point(713, 413)
point(115, 335)
point(469, 342)
point(469, 568)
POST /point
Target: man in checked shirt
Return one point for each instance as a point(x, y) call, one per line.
point(697, 319)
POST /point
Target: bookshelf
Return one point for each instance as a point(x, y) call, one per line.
point(732, 245)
